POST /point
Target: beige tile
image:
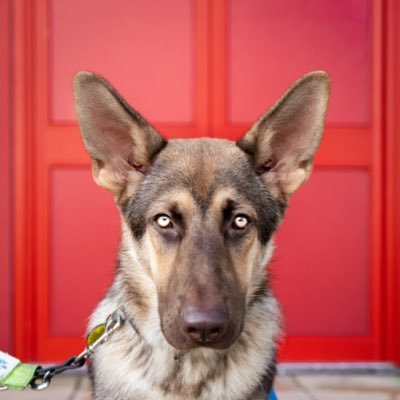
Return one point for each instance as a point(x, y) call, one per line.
point(83, 396)
point(61, 388)
point(299, 387)
point(59, 393)
point(292, 395)
point(283, 383)
point(362, 383)
point(82, 389)
point(348, 395)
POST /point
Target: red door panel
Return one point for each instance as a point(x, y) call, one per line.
point(322, 263)
point(272, 43)
point(147, 55)
point(84, 236)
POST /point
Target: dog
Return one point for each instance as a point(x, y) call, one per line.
point(198, 218)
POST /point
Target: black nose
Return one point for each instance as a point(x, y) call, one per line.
point(204, 326)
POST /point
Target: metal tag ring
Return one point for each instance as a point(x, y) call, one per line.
point(44, 384)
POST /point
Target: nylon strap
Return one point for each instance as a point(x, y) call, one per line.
point(14, 374)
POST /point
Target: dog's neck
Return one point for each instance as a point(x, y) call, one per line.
point(161, 371)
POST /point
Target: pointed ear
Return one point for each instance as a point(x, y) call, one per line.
point(120, 142)
point(283, 142)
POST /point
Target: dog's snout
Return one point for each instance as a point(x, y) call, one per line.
point(204, 326)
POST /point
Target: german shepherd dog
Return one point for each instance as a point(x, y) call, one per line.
point(198, 218)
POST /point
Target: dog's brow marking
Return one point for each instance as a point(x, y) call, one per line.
point(230, 197)
point(177, 200)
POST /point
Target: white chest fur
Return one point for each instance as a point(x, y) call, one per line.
point(134, 368)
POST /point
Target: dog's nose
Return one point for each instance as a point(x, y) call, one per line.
point(204, 326)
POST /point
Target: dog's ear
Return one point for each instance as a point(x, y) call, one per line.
point(283, 142)
point(120, 142)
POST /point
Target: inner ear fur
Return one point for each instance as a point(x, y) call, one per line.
point(120, 142)
point(283, 142)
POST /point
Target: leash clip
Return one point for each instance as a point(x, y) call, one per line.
point(95, 339)
point(99, 335)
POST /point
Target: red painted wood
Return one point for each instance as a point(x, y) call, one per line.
point(392, 155)
point(378, 304)
point(25, 325)
point(321, 268)
point(320, 349)
point(5, 176)
point(85, 229)
point(46, 146)
point(272, 43)
point(146, 51)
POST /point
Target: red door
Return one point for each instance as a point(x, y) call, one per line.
point(198, 68)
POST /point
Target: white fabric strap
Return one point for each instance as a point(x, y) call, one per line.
point(7, 364)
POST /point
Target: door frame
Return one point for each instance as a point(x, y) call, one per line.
point(27, 30)
point(6, 147)
point(392, 178)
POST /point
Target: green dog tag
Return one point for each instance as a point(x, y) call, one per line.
point(95, 333)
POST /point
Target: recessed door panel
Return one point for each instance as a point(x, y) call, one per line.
point(273, 43)
point(85, 229)
point(322, 263)
point(145, 49)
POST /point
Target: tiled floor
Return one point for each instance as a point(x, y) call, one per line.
point(295, 387)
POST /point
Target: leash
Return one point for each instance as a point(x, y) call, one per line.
point(18, 376)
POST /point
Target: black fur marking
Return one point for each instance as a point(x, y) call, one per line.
point(247, 183)
point(259, 294)
point(164, 177)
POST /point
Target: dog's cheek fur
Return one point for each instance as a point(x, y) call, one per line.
point(162, 258)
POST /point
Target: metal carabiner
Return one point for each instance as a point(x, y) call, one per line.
point(114, 322)
point(45, 382)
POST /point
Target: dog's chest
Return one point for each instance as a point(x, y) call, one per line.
point(133, 370)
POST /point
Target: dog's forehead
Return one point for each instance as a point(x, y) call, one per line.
point(203, 168)
point(204, 155)
point(201, 164)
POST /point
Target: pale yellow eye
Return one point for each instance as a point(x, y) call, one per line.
point(240, 222)
point(163, 221)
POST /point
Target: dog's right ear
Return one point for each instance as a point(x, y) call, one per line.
point(120, 142)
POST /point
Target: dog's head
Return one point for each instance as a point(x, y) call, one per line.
point(201, 212)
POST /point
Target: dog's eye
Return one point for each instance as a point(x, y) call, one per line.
point(240, 222)
point(163, 221)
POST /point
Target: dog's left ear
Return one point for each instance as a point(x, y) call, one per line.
point(283, 142)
